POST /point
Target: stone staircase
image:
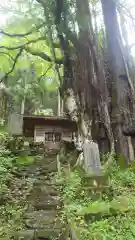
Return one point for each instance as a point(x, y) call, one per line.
point(42, 218)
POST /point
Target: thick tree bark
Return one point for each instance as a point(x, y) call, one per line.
point(122, 91)
point(71, 94)
point(84, 74)
point(94, 68)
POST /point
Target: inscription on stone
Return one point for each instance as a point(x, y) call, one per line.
point(92, 163)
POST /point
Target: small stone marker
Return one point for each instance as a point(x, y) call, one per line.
point(15, 124)
point(92, 163)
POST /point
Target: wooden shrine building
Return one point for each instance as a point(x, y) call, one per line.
point(49, 130)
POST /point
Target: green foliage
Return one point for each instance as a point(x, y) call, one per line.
point(36, 93)
point(46, 112)
point(109, 215)
point(3, 137)
point(14, 143)
point(24, 160)
point(12, 196)
point(125, 178)
point(71, 185)
point(35, 87)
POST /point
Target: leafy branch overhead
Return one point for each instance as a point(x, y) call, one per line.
point(42, 55)
point(33, 42)
point(72, 46)
point(13, 66)
point(22, 34)
point(22, 45)
point(29, 50)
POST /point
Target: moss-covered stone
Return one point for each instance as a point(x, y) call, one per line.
point(94, 181)
point(25, 235)
point(49, 233)
point(41, 219)
point(98, 210)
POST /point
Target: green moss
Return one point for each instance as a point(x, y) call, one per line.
point(12, 205)
point(24, 160)
point(111, 215)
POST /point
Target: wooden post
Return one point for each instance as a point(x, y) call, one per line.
point(58, 165)
point(131, 150)
point(59, 104)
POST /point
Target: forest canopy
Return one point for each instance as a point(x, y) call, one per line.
point(76, 52)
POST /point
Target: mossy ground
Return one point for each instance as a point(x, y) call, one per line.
point(108, 213)
point(13, 196)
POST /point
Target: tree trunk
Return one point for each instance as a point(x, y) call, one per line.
point(84, 78)
point(62, 107)
point(95, 70)
point(122, 91)
point(59, 104)
point(129, 61)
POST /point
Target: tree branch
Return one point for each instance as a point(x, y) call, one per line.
point(56, 45)
point(23, 45)
point(13, 67)
point(42, 55)
point(35, 53)
point(20, 34)
point(44, 73)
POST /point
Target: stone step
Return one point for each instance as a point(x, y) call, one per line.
point(41, 180)
point(29, 171)
point(38, 234)
point(25, 235)
point(47, 181)
point(46, 203)
point(44, 190)
point(49, 168)
point(42, 161)
point(42, 220)
point(48, 233)
point(37, 170)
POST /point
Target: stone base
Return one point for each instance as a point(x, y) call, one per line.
point(96, 181)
